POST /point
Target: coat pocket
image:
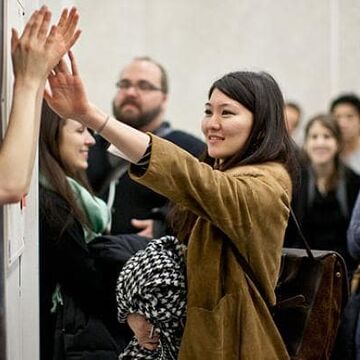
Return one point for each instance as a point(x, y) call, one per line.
point(208, 333)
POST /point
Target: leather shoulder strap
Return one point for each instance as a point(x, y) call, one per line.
point(247, 268)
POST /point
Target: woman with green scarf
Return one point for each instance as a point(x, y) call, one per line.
point(76, 303)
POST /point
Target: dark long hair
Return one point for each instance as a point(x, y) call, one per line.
point(268, 139)
point(328, 122)
point(52, 167)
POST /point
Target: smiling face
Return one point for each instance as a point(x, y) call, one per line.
point(74, 144)
point(321, 145)
point(227, 125)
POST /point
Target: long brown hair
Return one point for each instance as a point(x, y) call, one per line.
point(53, 168)
point(268, 139)
point(329, 123)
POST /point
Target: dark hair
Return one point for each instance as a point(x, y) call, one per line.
point(268, 139)
point(349, 98)
point(328, 122)
point(52, 167)
point(294, 106)
point(164, 83)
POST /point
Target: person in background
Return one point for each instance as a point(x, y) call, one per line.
point(346, 110)
point(77, 289)
point(324, 202)
point(240, 194)
point(292, 116)
point(34, 54)
point(140, 102)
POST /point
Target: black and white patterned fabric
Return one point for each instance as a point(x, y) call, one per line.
point(152, 283)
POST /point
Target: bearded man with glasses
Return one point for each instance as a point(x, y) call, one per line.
point(140, 101)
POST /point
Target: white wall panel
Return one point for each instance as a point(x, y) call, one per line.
point(200, 40)
point(20, 235)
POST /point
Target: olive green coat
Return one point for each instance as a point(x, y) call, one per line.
point(227, 318)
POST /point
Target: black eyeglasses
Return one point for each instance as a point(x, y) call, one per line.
point(142, 86)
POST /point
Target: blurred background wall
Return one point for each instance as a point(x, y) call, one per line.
point(311, 47)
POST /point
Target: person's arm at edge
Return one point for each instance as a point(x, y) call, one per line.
point(18, 149)
point(32, 64)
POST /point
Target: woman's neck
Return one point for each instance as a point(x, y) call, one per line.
point(323, 174)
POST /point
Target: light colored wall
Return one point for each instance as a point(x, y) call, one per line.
point(311, 47)
point(20, 227)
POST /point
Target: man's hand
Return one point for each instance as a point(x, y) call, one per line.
point(146, 227)
point(143, 331)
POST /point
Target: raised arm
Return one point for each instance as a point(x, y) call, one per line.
point(68, 98)
point(34, 55)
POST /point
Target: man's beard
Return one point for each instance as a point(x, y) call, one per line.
point(137, 122)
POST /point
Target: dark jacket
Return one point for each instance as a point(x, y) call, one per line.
point(324, 219)
point(86, 324)
point(350, 326)
point(353, 233)
point(347, 344)
point(133, 200)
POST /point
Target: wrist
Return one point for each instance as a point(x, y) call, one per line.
point(27, 84)
point(93, 117)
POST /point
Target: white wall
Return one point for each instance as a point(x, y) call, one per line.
point(311, 47)
point(20, 231)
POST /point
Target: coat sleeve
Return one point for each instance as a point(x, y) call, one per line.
point(353, 233)
point(236, 202)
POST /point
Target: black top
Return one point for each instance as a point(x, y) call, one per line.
point(64, 254)
point(65, 258)
point(132, 200)
point(325, 223)
point(325, 217)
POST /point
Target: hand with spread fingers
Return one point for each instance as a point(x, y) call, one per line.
point(34, 54)
point(37, 51)
point(67, 97)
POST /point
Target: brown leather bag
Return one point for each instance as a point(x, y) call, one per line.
point(311, 294)
point(312, 291)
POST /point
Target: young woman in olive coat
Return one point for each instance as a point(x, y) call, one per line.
point(240, 193)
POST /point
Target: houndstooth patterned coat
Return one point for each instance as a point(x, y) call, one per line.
point(152, 283)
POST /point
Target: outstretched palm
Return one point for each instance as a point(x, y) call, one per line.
point(36, 52)
point(62, 36)
point(68, 97)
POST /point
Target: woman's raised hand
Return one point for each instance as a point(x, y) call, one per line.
point(37, 51)
point(67, 95)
